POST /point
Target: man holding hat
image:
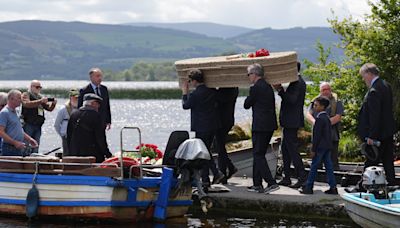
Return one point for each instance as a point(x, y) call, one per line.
point(85, 131)
point(61, 123)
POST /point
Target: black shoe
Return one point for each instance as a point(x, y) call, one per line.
point(332, 191)
point(285, 182)
point(298, 184)
point(271, 188)
point(218, 179)
point(305, 190)
point(231, 172)
point(253, 188)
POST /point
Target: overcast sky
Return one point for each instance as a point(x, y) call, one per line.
point(248, 13)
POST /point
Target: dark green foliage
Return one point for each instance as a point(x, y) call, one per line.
point(376, 40)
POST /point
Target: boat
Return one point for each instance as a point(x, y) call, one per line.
point(37, 187)
point(243, 158)
point(368, 211)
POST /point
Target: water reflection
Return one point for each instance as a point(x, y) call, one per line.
point(156, 118)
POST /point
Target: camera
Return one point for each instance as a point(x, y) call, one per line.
point(50, 99)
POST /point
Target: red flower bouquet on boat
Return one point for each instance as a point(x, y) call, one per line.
point(149, 152)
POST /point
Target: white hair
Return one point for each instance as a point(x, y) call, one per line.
point(87, 103)
point(324, 84)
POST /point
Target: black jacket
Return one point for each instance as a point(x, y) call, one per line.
point(85, 136)
point(292, 105)
point(375, 119)
point(322, 133)
point(104, 109)
point(262, 101)
point(226, 99)
point(203, 109)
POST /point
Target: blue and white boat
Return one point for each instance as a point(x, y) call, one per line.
point(87, 190)
point(368, 211)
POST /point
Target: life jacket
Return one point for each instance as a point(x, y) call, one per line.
point(33, 116)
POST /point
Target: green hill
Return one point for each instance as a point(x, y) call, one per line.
point(66, 50)
point(42, 49)
point(204, 28)
point(301, 40)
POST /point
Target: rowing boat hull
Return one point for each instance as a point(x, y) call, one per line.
point(88, 197)
point(367, 211)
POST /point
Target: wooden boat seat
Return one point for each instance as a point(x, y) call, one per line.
point(31, 166)
point(79, 160)
point(11, 165)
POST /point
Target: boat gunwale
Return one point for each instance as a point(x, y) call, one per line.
point(352, 198)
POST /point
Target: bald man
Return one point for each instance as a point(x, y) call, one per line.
point(335, 111)
point(33, 106)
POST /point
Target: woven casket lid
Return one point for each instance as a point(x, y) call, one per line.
point(231, 71)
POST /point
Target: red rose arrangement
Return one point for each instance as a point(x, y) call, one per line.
point(258, 53)
point(150, 151)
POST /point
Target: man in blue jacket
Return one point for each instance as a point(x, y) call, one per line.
point(321, 148)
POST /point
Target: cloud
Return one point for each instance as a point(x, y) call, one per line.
point(248, 13)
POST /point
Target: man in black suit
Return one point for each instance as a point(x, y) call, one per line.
point(376, 121)
point(96, 76)
point(203, 118)
point(262, 101)
point(85, 137)
point(291, 118)
point(226, 98)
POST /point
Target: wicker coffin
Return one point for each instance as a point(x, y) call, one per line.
point(231, 71)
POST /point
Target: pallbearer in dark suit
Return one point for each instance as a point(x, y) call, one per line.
point(262, 101)
point(376, 121)
point(226, 98)
point(95, 86)
point(291, 118)
point(203, 118)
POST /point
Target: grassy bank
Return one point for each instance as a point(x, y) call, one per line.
point(151, 93)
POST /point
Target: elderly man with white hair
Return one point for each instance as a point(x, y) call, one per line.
point(15, 140)
point(335, 111)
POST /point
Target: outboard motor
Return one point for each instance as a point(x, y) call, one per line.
point(190, 157)
point(374, 181)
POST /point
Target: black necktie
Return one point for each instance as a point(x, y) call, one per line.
point(97, 91)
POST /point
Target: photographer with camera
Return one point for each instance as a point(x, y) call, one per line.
point(33, 106)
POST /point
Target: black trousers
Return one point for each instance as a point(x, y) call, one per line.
point(207, 138)
point(260, 166)
point(290, 153)
point(386, 156)
point(224, 162)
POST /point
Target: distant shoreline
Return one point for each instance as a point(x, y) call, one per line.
point(125, 93)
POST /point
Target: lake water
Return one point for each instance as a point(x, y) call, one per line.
point(156, 119)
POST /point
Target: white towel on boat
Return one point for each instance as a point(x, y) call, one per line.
point(192, 149)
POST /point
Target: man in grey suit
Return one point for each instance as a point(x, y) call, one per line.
point(291, 118)
point(262, 101)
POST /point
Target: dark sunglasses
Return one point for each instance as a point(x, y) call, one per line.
point(248, 74)
point(38, 87)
